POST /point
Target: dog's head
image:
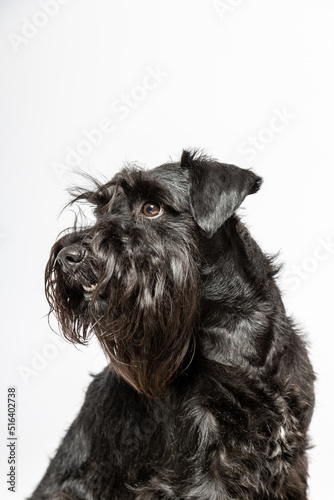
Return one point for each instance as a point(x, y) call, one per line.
point(134, 277)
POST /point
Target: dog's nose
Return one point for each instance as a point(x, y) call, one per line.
point(70, 258)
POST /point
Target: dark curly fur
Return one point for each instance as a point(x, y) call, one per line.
point(209, 390)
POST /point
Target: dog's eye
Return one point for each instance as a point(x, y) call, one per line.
point(152, 209)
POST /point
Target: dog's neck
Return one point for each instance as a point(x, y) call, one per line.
point(232, 327)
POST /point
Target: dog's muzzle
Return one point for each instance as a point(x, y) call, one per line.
point(70, 258)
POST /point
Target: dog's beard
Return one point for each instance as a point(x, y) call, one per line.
point(143, 310)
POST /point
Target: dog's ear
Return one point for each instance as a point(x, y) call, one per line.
point(216, 189)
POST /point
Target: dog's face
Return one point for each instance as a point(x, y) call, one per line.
point(133, 278)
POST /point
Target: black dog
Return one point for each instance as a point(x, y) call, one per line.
point(209, 390)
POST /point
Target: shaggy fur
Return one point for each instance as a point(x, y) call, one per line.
point(209, 390)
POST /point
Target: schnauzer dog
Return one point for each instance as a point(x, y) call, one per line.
point(208, 394)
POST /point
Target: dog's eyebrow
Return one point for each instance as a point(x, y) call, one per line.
point(106, 195)
point(100, 197)
point(138, 187)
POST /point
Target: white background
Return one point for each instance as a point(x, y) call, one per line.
point(193, 73)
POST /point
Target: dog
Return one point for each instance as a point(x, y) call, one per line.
point(209, 391)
